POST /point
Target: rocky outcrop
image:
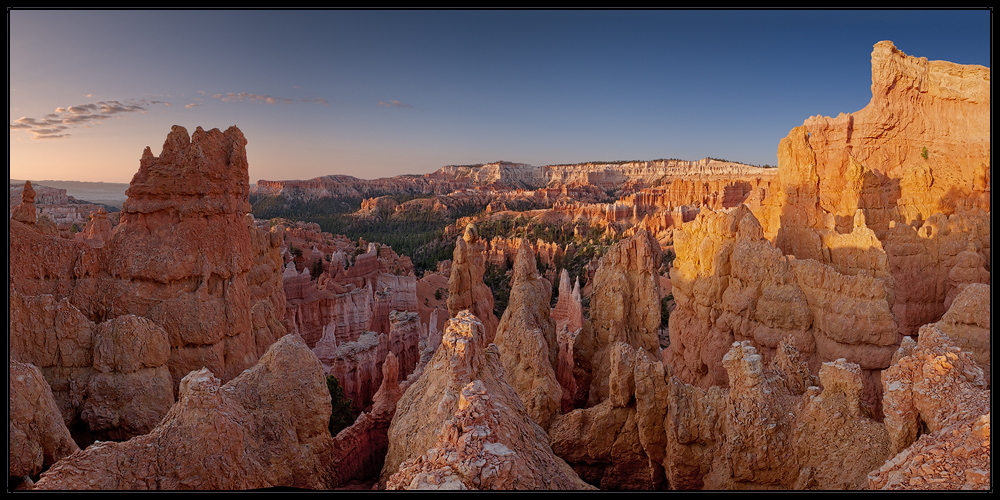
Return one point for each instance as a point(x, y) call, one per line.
point(37, 436)
point(937, 411)
point(265, 428)
point(184, 257)
point(463, 403)
point(526, 338)
point(131, 390)
point(466, 290)
point(836, 441)
point(112, 377)
point(568, 311)
point(24, 212)
point(625, 307)
point(967, 324)
point(731, 284)
point(196, 188)
point(620, 443)
point(97, 232)
point(568, 317)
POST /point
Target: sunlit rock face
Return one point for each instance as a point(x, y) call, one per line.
point(731, 285)
point(267, 427)
point(915, 162)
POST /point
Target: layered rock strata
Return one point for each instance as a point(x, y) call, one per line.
point(915, 161)
point(731, 284)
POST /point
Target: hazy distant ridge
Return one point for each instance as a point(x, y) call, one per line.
point(108, 193)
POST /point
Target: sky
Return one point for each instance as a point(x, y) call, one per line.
point(389, 92)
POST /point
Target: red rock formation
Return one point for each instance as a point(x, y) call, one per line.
point(404, 340)
point(37, 436)
point(967, 324)
point(921, 147)
point(526, 338)
point(197, 187)
point(466, 289)
point(97, 231)
point(265, 428)
point(183, 257)
point(937, 411)
point(463, 403)
point(619, 443)
point(24, 212)
point(132, 389)
point(359, 450)
point(625, 307)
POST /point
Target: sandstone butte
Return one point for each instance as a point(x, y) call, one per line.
point(831, 330)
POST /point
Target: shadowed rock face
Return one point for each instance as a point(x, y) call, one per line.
point(183, 252)
point(37, 435)
point(265, 428)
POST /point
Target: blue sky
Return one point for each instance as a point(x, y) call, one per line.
point(381, 93)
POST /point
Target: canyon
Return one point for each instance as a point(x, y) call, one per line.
point(640, 325)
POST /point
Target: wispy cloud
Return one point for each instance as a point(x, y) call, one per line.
point(318, 100)
point(394, 104)
point(54, 125)
point(194, 105)
point(247, 97)
point(244, 97)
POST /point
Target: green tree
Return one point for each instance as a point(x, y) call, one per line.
point(343, 415)
point(317, 269)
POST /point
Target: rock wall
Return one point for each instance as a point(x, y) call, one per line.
point(731, 284)
point(915, 161)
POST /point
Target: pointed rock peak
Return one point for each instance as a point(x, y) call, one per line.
point(471, 234)
point(564, 286)
point(524, 264)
